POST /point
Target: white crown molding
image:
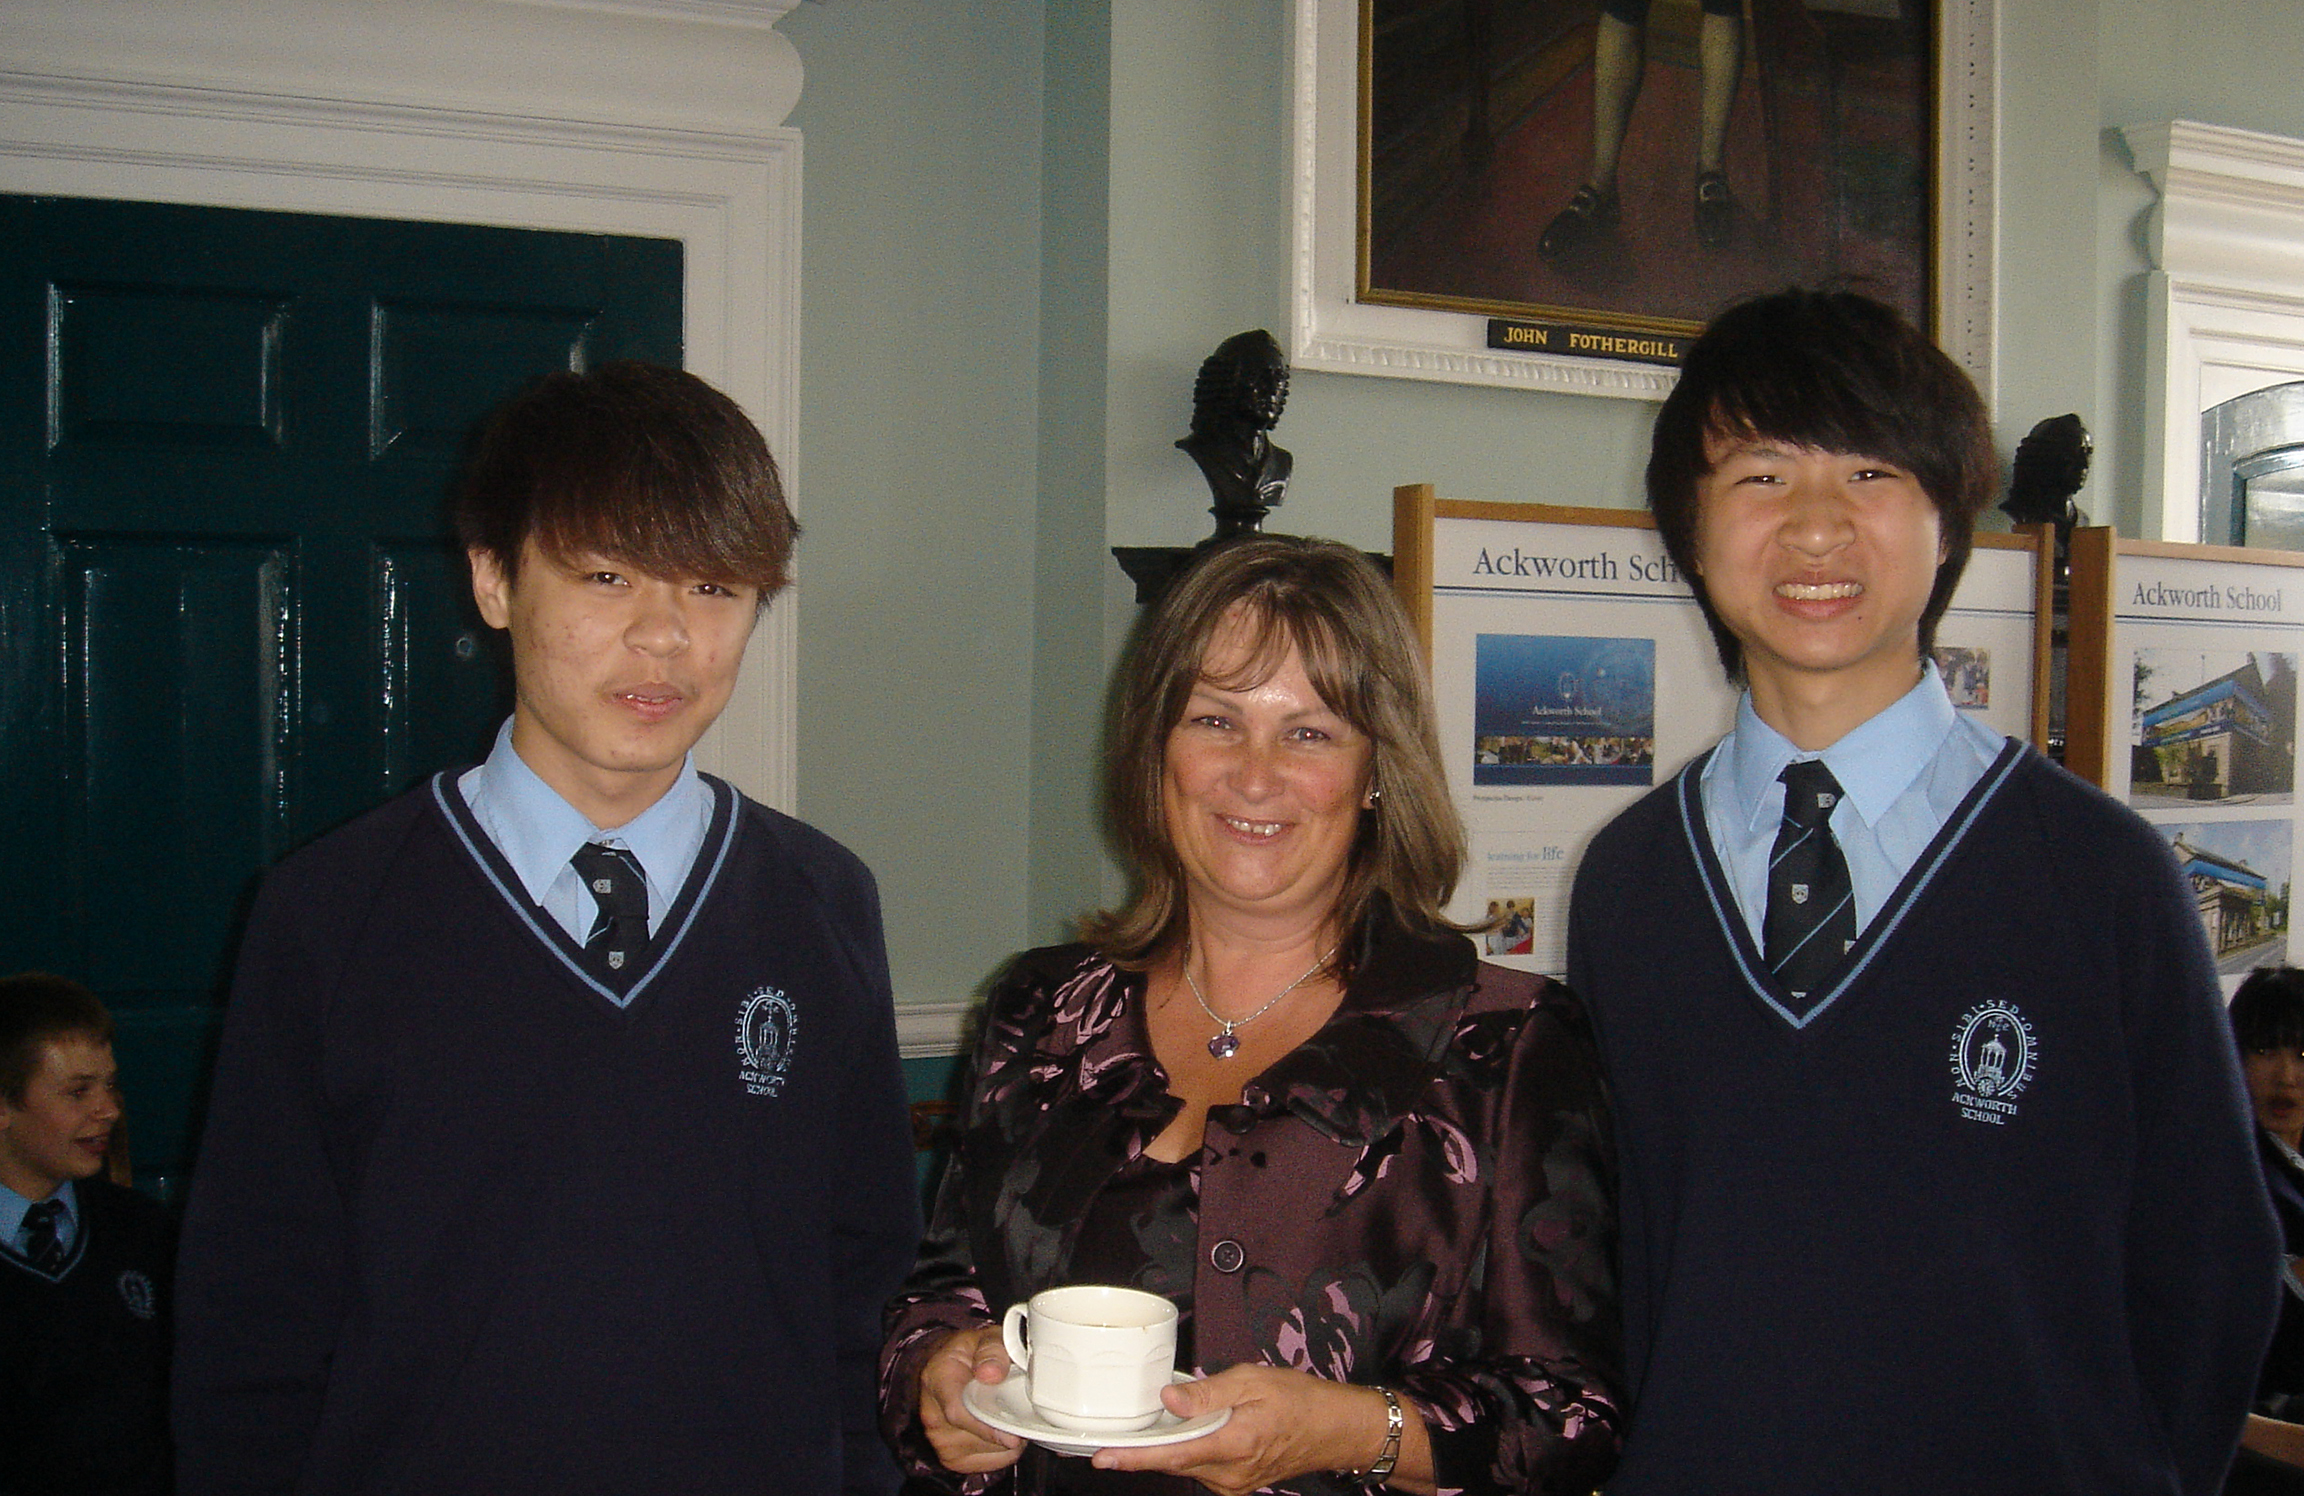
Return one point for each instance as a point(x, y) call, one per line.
point(234, 108)
point(618, 62)
point(411, 138)
point(1330, 330)
point(2231, 210)
point(757, 13)
point(2248, 160)
point(2224, 309)
point(935, 1030)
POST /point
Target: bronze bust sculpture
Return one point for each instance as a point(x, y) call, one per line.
point(2051, 464)
point(1236, 401)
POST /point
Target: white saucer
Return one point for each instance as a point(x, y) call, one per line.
point(1007, 1407)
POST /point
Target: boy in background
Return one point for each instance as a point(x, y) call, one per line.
point(1936, 1166)
point(84, 1262)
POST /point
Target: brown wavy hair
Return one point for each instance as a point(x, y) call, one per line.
point(1327, 602)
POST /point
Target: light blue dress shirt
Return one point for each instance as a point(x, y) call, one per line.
point(12, 1209)
point(538, 831)
point(1901, 774)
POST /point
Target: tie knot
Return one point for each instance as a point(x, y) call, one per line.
point(44, 1235)
point(613, 877)
point(1810, 792)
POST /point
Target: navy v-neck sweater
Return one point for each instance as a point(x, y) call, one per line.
point(84, 1354)
point(1985, 1219)
point(463, 1224)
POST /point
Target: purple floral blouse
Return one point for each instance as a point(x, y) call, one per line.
point(1422, 1195)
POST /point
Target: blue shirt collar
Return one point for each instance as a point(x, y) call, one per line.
point(538, 831)
point(1875, 763)
point(13, 1206)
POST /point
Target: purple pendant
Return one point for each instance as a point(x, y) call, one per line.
point(1223, 1045)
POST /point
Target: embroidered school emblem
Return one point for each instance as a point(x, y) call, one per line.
point(137, 1293)
point(1799, 893)
point(1994, 1055)
point(766, 1028)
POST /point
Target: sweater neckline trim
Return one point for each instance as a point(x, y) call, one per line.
point(671, 933)
point(1758, 979)
point(72, 1253)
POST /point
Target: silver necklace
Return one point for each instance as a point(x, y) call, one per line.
point(1225, 1045)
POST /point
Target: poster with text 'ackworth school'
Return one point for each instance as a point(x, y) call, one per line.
point(2197, 721)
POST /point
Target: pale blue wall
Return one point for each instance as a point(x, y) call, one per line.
point(2047, 347)
point(1028, 220)
point(1066, 867)
point(920, 419)
point(2222, 62)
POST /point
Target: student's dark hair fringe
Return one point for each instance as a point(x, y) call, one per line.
point(634, 462)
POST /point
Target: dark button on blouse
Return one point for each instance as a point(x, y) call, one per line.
point(1227, 1256)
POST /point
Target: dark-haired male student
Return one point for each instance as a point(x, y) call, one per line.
point(84, 1263)
point(1937, 1173)
point(558, 1140)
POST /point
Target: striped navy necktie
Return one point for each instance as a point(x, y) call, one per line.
point(1811, 919)
point(617, 885)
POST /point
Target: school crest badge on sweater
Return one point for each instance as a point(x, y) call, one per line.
point(767, 1027)
point(137, 1293)
point(1993, 1058)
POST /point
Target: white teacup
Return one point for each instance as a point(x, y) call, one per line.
point(1096, 1356)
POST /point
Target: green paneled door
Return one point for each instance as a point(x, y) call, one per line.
point(230, 617)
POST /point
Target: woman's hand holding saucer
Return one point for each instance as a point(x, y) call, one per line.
point(1284, 1424)
point(965, 1444)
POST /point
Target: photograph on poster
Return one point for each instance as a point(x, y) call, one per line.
point(1523, 878)
point(1967, 675)
point(2216, 726)
point(1515, 931)
point(2239, 874)
point(1562, 709)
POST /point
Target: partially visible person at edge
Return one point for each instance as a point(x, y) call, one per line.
point(2268, 1027)
point(558, 1139)
point(1937, 1169)
point(85, 1263)
point(1278, 1087)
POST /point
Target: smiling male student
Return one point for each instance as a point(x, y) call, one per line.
point(84, 1262)
point(1936, 1164)
point(558, 1140)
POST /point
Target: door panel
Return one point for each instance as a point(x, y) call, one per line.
point(494, 348)
point(176, 675)
point(141, 366)
point(230, 613)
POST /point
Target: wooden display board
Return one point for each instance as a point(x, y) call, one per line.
point(2181, 692)
point(1573, 672)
